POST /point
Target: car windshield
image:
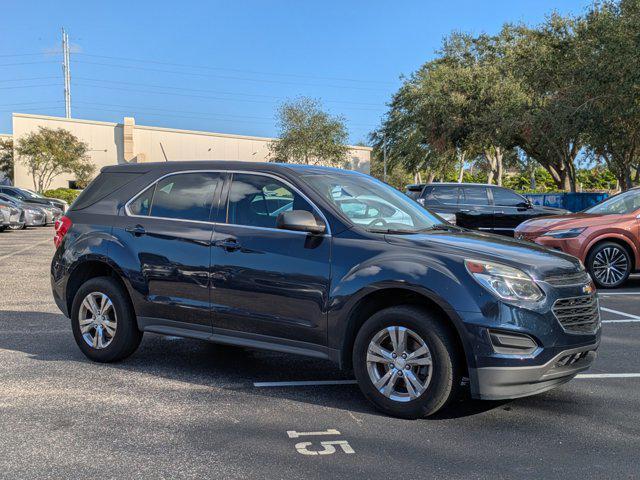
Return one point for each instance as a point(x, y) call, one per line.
point(622, 204)
point(373, 205)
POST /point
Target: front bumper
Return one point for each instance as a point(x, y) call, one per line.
point(499, 383)
point(35, 219)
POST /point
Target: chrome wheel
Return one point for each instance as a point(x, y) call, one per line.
point(610, 266)
point(98, 321)
point(399, 363)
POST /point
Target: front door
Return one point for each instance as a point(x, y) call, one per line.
point(168, 227)
point(268, 281)
point(474, 210)
point(510, 210)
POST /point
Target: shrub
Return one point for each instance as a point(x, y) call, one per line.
point(66, 194)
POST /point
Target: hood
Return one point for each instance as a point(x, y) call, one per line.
point(539, 261)
point(551, 210)
point(575, 220)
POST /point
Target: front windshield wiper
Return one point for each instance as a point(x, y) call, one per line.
point(441, 226)
point(391, 231)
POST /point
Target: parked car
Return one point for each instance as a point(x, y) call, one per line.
point(31, 216)
point(57, 202)
point(16, 216)
point(54, 207)
point(5, 217)
point(489, 208)
point(606, 237)
point(182, 248)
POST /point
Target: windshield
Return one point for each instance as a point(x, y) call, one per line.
point(622, 204)
point(374, 205)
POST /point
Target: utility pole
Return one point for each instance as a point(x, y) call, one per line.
point(66, 71)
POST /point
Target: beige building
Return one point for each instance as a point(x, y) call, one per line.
point(111, 143)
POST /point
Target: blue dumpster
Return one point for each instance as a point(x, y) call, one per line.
point(574, 202)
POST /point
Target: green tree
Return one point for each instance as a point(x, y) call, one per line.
point(610, 82)
point(49, 152)
point(6, 157)
point(309, 135)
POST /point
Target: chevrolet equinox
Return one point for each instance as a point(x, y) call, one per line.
point(320, 262)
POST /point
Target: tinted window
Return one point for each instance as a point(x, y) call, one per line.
point(507, 198)
point(142, 204)
point(475, 196)
point(257, 200)
point(185, 196)
point(621, 204)
point(103, 185)
point(447, 195)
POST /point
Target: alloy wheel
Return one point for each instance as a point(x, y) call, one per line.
point(98, 320)
point(399, 363)
point(610, 265)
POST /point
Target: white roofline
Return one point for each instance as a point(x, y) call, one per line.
point(164, 129)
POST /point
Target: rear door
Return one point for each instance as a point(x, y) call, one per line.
point(169, 229)
point(510, 210)
point(475, 210)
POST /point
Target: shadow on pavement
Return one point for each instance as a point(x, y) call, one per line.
point(206, 364)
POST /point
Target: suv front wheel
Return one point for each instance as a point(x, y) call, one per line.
point(103, 322)
point(406, 362)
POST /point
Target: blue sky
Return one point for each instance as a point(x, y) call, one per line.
point(226, 66)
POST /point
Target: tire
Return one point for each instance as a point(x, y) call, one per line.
point(446, 367)
point(126, 337)
point(609, 253)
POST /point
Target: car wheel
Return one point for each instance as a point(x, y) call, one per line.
point(103, 321)
point(609, 265)
point(15, 227)
point(406, 362)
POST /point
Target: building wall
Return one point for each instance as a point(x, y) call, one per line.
point(111, 143)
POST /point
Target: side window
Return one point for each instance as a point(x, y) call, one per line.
point(446, 194)
point(185, 196)
point(506, 198)
point(257, 200)
point(475, 196)
point(142, 204)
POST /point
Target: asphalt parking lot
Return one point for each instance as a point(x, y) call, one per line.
point(188, 409)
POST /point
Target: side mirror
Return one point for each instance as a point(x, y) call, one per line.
point(300, 221)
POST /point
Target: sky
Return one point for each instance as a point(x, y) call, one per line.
point(227, 66)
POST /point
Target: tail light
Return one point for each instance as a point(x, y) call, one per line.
point(62, 226)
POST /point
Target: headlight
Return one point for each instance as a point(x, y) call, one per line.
point(32, 211)
point(507, 283)
point(568, 233)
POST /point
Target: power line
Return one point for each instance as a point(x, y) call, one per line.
point(27, 63)
point(26, 79)
point(205, 114)
point(255, 72)
point(31, 86)
point(226, 77)
point(171, 87)
point(195, 96)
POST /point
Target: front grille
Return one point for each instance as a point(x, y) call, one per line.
point(578, 314)
point(580, 278)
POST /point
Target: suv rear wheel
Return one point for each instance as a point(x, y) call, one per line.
point(406, 362)
point(609, 265)
point(103, 322)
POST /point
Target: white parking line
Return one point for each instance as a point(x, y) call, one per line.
point(608, 375)
point(617, 312)
point(26, 248)
point(625, 320)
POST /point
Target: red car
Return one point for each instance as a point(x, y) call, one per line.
point(606, 237)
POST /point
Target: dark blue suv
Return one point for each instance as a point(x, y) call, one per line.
point(320, 262)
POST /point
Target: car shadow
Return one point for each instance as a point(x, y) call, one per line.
point(208, 365)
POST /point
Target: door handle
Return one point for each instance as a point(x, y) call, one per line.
point(464, 210)
point(137, 230)
point(230, 244)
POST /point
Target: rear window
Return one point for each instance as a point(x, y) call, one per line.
point(103, 185)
